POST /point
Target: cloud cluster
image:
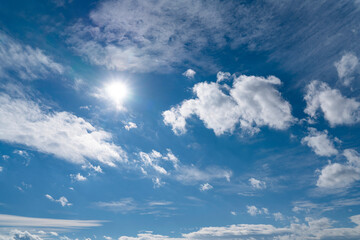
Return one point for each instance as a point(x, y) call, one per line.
point(62, 200)
point(158, 166)
point(337, 109)
point(252, 102)
point(347, 65)
point(24, 61)
point(337, 175)
point(312, 229)
point(320, 143)
point(189, 73)
point(158, 35)
point(66, 136)
point(258, 184)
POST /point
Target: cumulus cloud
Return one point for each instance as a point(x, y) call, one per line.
point(258, 184)
point(320, 143)
point(130, 125)
point(252, 210)
point(62, 200)
point(78, 177)
point(205, 187)
point(189, 73)
point(346, 67)
point(66, 136)
point(26, 62)
point(337, 109)
point(312, 229)
point(337, 175)
point(252, 102)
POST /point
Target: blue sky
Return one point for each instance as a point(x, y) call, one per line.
point(174, 120)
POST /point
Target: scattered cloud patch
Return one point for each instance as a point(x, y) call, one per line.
point(222, 76)
point(346, 67)
point(320, 143)
point(205, 187)
point(62, 200)
point(78, 177)
point(337, 109)
point(252, 102)
point(337, 175)
point(278, 216)
point(189, 73)
point(130, 125)
point(258, 184)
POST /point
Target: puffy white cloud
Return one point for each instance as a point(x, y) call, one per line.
point(24, 61)
point(62, 134)
point(252, 102)
point(336, 175)
point(258, 184)
point(130, 125)
point(78, 177)
point(189, 73)
point(320, 143)
point(253, 210)
point(205, 187)
point(337, 109)
point(62, 200)
point(346, 67)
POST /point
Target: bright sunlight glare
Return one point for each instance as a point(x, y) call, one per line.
point(117, 91)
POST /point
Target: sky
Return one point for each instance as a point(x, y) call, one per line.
point(179, 120)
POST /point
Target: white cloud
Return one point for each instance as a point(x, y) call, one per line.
point(258, 184)
point(336, 175)
point(222, 76)
point(124, 205)
point(337, 109)
point(130, 125)
point(320, 143)
point(1, 169)
point(252, 102)
point(278, 216)
point(62, 134)
point(108, 238)
point(312, 229)
point(18, 221)
point(78, 177)
point(62, 200)
point(156, 165)
point(150, 40)
point(205, 187)
point(189, 73)
point(346, 67)
point(233, 213)
point(24, 61)
point(253, 210)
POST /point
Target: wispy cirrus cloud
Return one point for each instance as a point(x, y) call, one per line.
point(24, 61)
point(62, 134)
point(19, 221)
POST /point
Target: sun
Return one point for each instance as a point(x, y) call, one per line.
point(117, 91)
